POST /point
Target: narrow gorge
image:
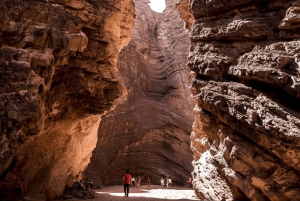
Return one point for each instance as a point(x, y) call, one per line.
point(207, 89)
point(148, 131)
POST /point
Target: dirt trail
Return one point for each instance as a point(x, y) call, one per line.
point(144, 193)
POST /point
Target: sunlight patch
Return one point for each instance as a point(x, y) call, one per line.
point(157, 5)
point(165, 194)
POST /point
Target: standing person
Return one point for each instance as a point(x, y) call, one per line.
point(148, 181)
point(167, 183)
point(138, 181)
point(170, 183)
point(190, 183)
point(126, 182)
point(162, 182)
point(133, 181)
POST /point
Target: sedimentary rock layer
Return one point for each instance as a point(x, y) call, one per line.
point(148, 131)
point(244, 59)
point(58, 76)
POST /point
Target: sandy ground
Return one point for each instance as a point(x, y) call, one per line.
point(144, 193)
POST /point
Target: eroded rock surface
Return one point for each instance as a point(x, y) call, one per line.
point(245, 62)
point(57, 77)
point(148, 132)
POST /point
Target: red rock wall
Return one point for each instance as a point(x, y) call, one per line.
point(244, 59)
point(148, 131)
point(58, 76)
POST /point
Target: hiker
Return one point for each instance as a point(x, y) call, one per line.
point(148, 181)
point(126, 182)
point(133, 182)
point(138, 181)
point(190, 183)
point(169, 183)
point(162, 182)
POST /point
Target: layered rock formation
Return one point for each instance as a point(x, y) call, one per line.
point(148, 132)
point(245, 62)
point(58, 76)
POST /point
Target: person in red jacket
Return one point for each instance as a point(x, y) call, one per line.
point(126, 182)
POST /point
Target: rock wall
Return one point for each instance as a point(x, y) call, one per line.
point(148, 131)
point(244, 59)
point(57, 78)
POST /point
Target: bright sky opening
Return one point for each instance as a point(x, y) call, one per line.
point(157, 5)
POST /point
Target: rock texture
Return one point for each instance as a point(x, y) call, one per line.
point(244, 59)
point(57, 77)
point(148, 132)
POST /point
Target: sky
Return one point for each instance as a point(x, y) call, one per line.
point(157, 5)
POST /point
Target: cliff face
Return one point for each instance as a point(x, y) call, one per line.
point(57, 78)
point(148, 132)
point(244, 59)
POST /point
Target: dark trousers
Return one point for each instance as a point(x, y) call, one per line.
point(126, 189)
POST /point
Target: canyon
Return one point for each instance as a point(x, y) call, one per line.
point(208, 89)
point(148, 131)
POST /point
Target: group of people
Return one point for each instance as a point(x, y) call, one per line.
point(168, 182)
point(135, 181)
point(128, 180)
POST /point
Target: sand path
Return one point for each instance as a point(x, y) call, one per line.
point(144, 193)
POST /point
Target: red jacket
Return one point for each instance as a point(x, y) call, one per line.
point(127, 179)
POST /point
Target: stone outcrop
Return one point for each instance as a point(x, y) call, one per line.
point(185, 13)
point(57, 78)
point(148, 131)
point(244, 59)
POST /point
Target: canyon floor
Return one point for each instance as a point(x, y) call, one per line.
point(145, 193)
